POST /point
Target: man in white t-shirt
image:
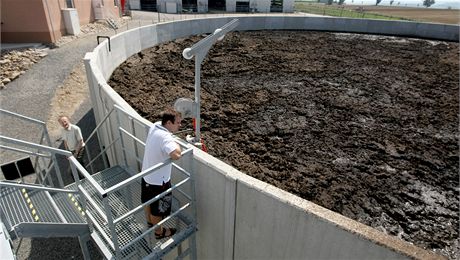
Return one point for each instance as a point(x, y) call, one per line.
point(160, 145)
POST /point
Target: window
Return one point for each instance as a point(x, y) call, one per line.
point(69, 3)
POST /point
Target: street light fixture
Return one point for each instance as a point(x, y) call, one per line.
point(199, 50)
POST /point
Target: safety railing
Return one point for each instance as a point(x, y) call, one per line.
point(11, 204)
point(105, 151)
point(100, 199)
point(41, 163)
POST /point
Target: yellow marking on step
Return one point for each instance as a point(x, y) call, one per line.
point(31, 205)
point(76, 204)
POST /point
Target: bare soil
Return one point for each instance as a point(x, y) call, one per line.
point(364, 125)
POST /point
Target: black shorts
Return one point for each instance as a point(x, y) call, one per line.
point(162, 206)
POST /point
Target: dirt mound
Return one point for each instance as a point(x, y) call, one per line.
point(364, 125)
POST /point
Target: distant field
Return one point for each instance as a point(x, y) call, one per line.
point(448, 16)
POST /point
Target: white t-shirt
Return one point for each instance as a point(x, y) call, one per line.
point(72, 136)
point(159, 144)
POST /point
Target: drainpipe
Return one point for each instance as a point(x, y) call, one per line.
point(50, 20)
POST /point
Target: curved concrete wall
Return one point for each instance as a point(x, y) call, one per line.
point(240, 217)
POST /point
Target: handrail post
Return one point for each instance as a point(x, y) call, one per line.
point(56, 167)
point(136, 149)
point(113, 233)
point(45, 135)
point(120, 133)
point(107, 37)
point(95, 132)
point(192, 241)
point(74, 171)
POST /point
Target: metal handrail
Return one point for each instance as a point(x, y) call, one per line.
point(98, 227)
point(155, 226)
point(37, 146)
point(34, 187)
point(157, 197)
point(98, 125)
point(22, 117)
point(24, 151)
point(184, 194)
point(96, 212)
point(88, 176)
point(102, 152)
point(106, 117)
point(92, 202)
point(143, 173)
point(129, 180)
point(134, 116)
point(182, 170)
point(130, 135)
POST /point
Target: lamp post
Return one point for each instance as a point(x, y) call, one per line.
point(199, 50)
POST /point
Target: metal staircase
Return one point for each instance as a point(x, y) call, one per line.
point(27, 210)
point(105, 205)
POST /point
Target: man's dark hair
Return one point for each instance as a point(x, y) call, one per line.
point(169, 115)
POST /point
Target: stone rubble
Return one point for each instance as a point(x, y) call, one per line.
point(14, 63)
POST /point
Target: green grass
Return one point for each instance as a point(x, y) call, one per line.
point(313, 7)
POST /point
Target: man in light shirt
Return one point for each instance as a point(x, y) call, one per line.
point(73, 140)
point(160, 145)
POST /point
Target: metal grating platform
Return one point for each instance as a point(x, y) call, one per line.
point(68, 208)
point(14, 207)
point(21, 205)
point(127, 230)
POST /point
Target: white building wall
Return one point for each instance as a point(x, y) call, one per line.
point(261, 6)
point(230, 5)
point(169, 6)
point(202, 6)
point(134, 4)
point(288, 6)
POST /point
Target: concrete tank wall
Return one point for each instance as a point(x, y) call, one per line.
point(238, 216)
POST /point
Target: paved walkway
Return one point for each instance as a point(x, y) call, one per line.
point(32, 92)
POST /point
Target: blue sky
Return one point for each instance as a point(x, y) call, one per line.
point(412, 3)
